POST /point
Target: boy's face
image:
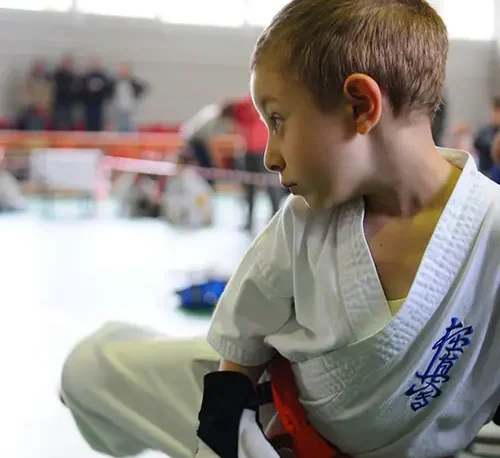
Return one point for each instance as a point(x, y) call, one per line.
point(314, 152)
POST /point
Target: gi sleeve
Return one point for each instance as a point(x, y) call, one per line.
point(257, 301)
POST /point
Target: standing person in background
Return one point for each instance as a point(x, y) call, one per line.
point(96, 89)
point(210, 121)
point(495, 157)
point(461, 137)
point(37, 98)
point(126, 90)
point(483, 140)
point(254, 131)
point(65, 93)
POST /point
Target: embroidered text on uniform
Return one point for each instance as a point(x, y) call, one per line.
point(447, 350)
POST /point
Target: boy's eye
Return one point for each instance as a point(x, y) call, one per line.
point(276, 123)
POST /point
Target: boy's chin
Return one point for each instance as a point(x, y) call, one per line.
point(318, 202)
point(322, 202)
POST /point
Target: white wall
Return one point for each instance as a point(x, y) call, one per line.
point(472, 80)
point(496, 68)
point(188, 66)
point(185, 66)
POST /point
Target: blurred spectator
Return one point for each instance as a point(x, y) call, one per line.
point(95, 90)
point(37, 98)
point(484, 138)
point(209, 122)
point(188, 199)
point(254, 131)
point(65, 94)
point(461, 138)
point(11, 197)
point(495, 156)
point(126, 90)
point(138, 196)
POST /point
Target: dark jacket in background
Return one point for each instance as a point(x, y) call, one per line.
point(495, 174)
point(95, 90)
point(65, 87)
point(482, 144)
point(65, 93)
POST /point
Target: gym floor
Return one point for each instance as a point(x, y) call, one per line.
point(63, 277)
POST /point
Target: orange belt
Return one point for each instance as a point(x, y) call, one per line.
point(306, 441)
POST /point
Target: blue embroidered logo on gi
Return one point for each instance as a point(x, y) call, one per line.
point(447, 350)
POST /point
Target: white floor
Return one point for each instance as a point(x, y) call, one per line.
point(60, 279)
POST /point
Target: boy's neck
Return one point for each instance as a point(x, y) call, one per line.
point(413, 173)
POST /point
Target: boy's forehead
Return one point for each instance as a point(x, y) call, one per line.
point(267, 86)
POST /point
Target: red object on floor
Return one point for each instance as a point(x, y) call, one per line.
point(306, 440)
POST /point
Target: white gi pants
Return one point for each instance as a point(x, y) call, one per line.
point(131, 389)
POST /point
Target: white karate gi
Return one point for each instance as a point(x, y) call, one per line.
point(11, 196)
point(420, 384)
point(188, 199)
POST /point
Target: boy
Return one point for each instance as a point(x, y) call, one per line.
point(372, 284)
point(377, 281)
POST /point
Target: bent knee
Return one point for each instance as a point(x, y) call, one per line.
point(79, 370)
point(82, 373)
point(102, 363)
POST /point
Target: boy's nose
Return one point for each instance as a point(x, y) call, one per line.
point(274, 161)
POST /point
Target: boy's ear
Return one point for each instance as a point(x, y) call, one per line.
point(364, 100)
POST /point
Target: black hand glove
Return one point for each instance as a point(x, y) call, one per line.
point(228, 418)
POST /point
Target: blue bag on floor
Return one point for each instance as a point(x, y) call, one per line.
point(202, 296)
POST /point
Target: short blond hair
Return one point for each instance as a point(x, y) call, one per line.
point(401, 44)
